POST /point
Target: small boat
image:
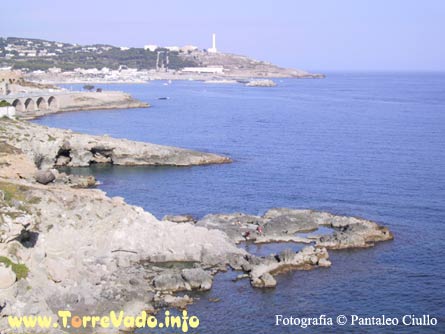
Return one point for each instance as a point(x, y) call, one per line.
point(163, 98)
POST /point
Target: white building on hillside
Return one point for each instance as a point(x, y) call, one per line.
point(172, 48)
point(151, 47)
point(209, 69)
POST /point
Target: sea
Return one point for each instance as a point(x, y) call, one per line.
point(361, 144)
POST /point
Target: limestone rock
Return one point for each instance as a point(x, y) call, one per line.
point(7, 277)
point(291, 221)
point(179, 218)
point(286, 225)
point(15, 222)
point(44, 176)
point(263, 268)
point(266, 280)
point(197, 278)
point(62, 160)
point(170, 282)
point(49, 147)
point(235, 225)
point(177, 302)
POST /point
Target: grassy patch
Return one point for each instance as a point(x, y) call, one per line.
point(13, 191)
point(19, 193)
point(13, 215)
point(35, 200)
point(20, 270)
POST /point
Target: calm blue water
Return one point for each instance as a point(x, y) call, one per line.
point(370, 145)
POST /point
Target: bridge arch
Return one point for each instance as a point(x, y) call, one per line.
point(41, 104)
point(18, 105)
point(52, 103)
point(30, 104)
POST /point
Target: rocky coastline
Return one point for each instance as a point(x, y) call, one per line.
point(30, 99)
point(49, 148)
point(64, 246)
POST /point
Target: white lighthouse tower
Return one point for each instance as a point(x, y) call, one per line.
point(213, 48)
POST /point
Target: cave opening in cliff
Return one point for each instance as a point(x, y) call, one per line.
point(101, 155)
point(28, 239)
point(63, 157)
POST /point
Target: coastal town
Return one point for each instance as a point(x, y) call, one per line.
point(30, 70)
point(56, 62)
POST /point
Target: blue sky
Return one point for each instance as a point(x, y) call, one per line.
point(388, 35)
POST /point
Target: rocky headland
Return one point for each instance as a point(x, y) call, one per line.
point(50, 147)
point(66, 247)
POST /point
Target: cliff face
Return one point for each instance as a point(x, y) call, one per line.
point(80, 247)
point(50, 147)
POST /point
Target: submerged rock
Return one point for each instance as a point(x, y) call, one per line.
point(261, 83)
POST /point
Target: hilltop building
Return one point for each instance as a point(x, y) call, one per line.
point(151, 47)
point(172, 48)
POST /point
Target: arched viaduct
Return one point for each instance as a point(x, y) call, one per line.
point(30, 103)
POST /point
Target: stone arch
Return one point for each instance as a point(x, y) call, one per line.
point(18, 105)
point(52, 103)
point(41, 104)
point(30, 104)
